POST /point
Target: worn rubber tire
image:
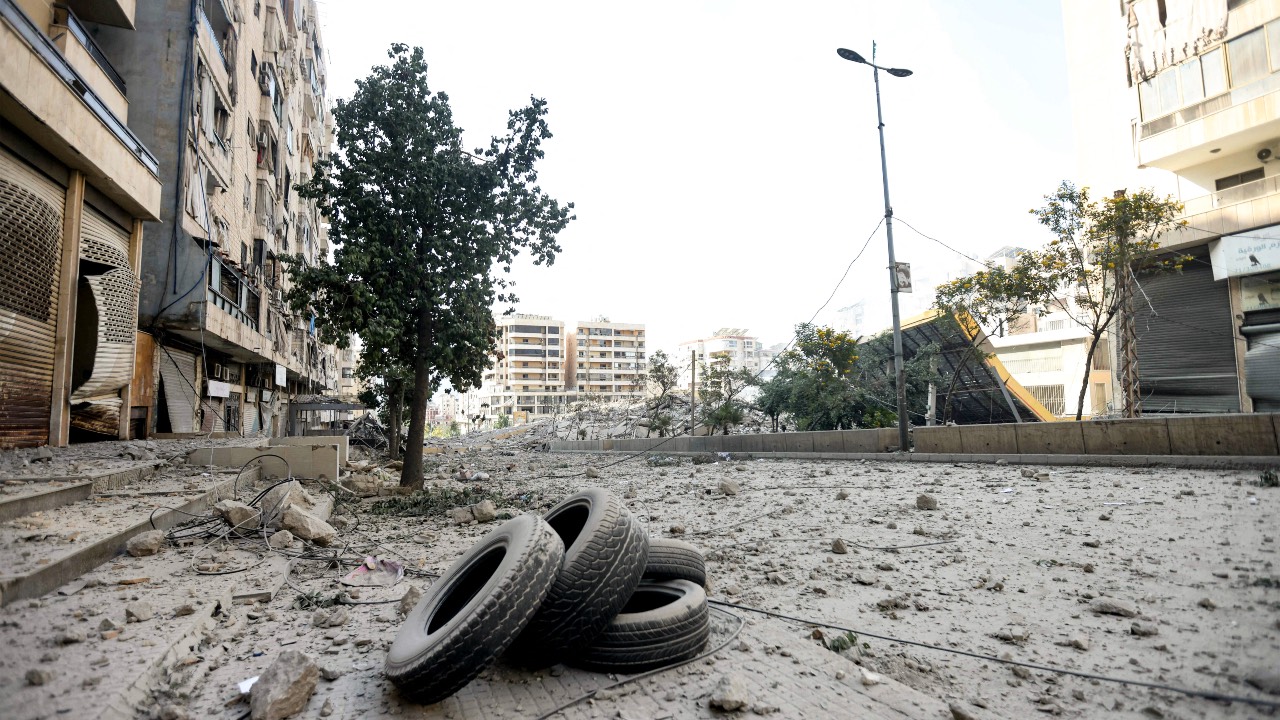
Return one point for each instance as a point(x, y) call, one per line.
point(675, 560)
point(471, 614)
point(664, 622)
point(605, 554)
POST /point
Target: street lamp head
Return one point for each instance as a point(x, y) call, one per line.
point(898, 72)
point(850, 56)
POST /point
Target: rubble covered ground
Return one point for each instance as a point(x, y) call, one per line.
point(1160, 576)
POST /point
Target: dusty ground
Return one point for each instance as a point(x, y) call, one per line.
point(1006, 565)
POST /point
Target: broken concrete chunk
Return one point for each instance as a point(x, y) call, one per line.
point(839, 547)
point(484, 511)
point(280, 539)
point(39, 676)
point(280, 497)
point(592, 472)
point(238, 514)
point(363, 485)
point(461, 515)
point(730, 693)
point(730, 487)
point(1112, 606)
point(147, 543)
point(307, 526)
point(284, 688)
point(410, 600)
point(138, 612)
point(926, 502)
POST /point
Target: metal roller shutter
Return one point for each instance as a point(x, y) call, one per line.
point(30, 256)
point(1186, 355)
point(178, 373)
point(1262, 371)
point(97, 402)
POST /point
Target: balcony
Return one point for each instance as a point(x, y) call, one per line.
point(230, 291)
point(87, 58)
point(1243, 207)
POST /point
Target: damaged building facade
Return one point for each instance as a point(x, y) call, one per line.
point(1184, 97)
point(235, 98)
point(76, 185)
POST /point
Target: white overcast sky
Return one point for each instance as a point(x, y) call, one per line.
point(724, 161)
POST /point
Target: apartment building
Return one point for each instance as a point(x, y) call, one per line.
point(528, 375)
point(76, 185)
point(235, 111)
point(1195, 114)
point(609, 359)
point(732, 347)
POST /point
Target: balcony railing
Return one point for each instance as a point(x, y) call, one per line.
point(217, 44)
point(63, 15)
point(48, 52)
point(1231, 196)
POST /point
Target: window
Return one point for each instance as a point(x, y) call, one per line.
point(1102, 355)
point(1248, 57)
point(1231, 181)
point(1273, 41)
point(348, 373)
point(1192, 82)
point(1051, 396)
point(248, 194)
point(1214, 69)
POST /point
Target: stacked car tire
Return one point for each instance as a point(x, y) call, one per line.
point(581, 585)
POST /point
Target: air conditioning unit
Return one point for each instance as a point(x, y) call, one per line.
point(218, 371)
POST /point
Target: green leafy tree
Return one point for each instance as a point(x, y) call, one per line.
point(719, 388)
point(425, 232)
point(1087, 271)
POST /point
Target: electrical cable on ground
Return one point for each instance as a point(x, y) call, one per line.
point(1206, 694)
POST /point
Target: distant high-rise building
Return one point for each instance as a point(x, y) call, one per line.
point(853, 318)
point(528, 374)
point(730, 347)
point(609, 359)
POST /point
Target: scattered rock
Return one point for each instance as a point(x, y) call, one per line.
point(730, 487)
point(1112, 606)
point(1207, 604)
point(138, 612)
point(280, 498)
point(332, 672)
point(775, 578)
point(484, 511)
point(839, 547)
point(307, 526)
point(1013, 634)
point(1144, 629)
point(1079, 642)
point(363, 485)
point(461, 515)
point(676, 529)
point(42, 454)
point(39, 676)
point(1267, 680)
point(238, 515)
point(280, 539)
point(862, 579)
point(1028, 473)
point(842, 495)
point(184, 610)
point(147, 543)
point(327, 709)
point(330, 617)
point(926, 502)
point(869, 678)
point(410, 600)
point(591, 472)
point(284, 688)
point(958, 712)
point(730, 694)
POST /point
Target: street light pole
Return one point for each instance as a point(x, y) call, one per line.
point(900, 374)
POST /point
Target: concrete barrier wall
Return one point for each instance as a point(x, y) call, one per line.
point(311, 461)
point(339, 440)
point(1256, 435)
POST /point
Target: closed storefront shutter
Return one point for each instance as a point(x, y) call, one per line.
point(30, 256)
point(1186, 354)
point(178, 379)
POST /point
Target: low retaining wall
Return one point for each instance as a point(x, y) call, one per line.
point(310, 461)
point(1187, 436)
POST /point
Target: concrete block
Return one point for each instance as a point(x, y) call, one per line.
point(340, 440)
point(989, 439)
point(1139, 436)
point(799, 442)
point(939, 439)
point(1222, 435)
point(308, 461)
point(1050, 438)
point(830, 441)
point(733, 443)
point(702, 443)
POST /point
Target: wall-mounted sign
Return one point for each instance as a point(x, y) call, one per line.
point(280, 376)
point(1249, 253)
point(902, 276)
point(1260, 292)
point(217, 388)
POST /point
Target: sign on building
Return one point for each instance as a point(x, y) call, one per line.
point(1250, 253)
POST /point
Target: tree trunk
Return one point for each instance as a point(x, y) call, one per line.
point(395, 413)
point(411, 475)
point(1088, 368)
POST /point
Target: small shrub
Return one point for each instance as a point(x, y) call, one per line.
point(1269, 478)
